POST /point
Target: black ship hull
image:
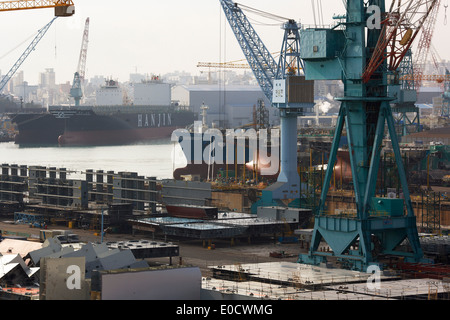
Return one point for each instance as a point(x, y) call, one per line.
point(86, 127)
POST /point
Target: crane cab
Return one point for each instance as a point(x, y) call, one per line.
point(64, 11)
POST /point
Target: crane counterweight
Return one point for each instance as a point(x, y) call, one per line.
point(64, 11)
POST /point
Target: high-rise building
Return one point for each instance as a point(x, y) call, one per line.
point(47, 79)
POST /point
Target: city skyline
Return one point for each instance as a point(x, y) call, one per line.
point(152, 38)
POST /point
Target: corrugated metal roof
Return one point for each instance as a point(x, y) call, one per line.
point(12, 246)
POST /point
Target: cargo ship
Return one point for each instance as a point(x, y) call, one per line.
point(109, 122)
point(232, 162)
point(114, 125)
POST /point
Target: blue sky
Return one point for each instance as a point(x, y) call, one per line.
point(153, 37)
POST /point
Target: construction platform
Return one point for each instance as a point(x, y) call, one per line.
point(215, 289)
point(294, 281)
point(227, 225)
point(291, 273)
point(415, 289)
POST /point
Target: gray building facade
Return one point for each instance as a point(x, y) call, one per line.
point(229, 106)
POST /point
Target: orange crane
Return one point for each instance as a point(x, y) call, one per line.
point(441, 75)
point(230, 64)
point(439, 78)
point(63, 8)
point(222, 65)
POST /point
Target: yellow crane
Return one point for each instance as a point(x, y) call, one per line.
point(226, 65)
point(237, 64)
point(63, 8)
point(439, 78)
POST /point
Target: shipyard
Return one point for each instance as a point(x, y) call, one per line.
point(320, 172)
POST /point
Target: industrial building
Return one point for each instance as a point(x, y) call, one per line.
point(151, 93)
point(229, 106)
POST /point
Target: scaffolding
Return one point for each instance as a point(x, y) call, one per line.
point(122, 187)
point(431, 212)
point(13, 183)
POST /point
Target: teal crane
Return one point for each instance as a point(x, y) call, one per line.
point(289, 98)
point(361, 54)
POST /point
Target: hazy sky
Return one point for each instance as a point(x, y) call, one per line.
point(153, 37)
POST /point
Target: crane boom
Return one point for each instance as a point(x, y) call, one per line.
point(62, 7)
point(26, 53)
point(225, 65)
point(76, 91)
point(230, 64)
point(258, 56)
point(83, 52)
point(400, 28)
point(424, 44)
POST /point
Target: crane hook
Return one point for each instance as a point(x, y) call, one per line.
point(445, 17)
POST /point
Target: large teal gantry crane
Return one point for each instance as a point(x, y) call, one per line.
point(361, 50)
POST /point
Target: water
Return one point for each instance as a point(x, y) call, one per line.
point(154, 159)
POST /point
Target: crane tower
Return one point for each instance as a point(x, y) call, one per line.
point(285, 87)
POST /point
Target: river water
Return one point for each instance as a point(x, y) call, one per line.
point(153, 159)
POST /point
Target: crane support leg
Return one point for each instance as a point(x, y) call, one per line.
point(287, 185)
point(377, 225)
point(357, 241)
